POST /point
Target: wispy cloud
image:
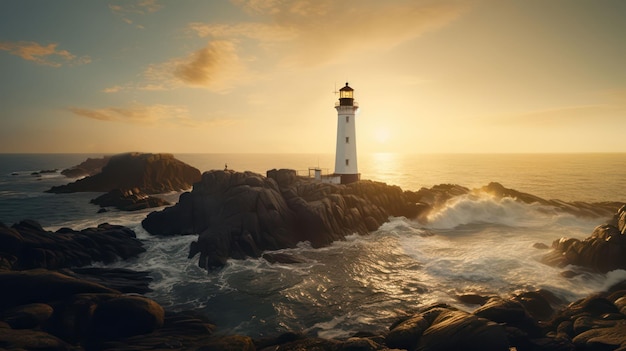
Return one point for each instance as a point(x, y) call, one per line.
point(253, 30)
point(141, 114)
point(47, 55)
point(126, 9)
point(325, 31)
point(216, 67)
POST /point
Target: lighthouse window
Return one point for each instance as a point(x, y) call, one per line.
point(347, 140)
point(347, 119)
point(347, 162)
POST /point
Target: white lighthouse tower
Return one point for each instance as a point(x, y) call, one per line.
point(345, 155)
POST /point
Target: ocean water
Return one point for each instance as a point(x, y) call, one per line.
point(474, 244)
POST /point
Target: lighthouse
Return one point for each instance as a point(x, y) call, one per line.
point(345, 155)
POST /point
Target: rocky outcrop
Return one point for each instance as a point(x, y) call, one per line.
point(27, 245)
point(577, 208)
point(241, 215)
point(438, 195)
point(128, 200)
point(86, 168)
point(150, 173)
point(603, 251)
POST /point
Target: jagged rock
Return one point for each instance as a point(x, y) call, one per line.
point(275, 257)
point(27, 245)
point(120, 279)
point(241, 215)
point(472, 299)
point(150, 173)
point(88, 167)
point(437, 195)
point(603, 251)
point(128, 200)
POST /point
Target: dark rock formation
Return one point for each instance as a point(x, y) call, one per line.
point(86, 168)
point(120, 279)
point(45, 310)
point(150, 173)
point(125, 316)
point(603, 251)
point(128, 200)
point(27, 245)
point(240, 215)
point(445, 328)
point(438, 195)
point(577, 208)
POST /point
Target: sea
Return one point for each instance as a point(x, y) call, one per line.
point(474, 244)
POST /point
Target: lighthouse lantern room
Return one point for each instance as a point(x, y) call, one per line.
point(345, 155)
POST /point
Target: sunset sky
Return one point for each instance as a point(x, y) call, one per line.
point(234, 76)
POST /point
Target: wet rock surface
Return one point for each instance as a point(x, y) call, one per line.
point(26, 245)
point(603, 251)
point(242, 214)
point(128, 200)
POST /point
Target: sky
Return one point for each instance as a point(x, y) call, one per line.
point(260, 76)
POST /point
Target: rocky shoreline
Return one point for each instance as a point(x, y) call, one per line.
point(48, 302)
point(52, 306)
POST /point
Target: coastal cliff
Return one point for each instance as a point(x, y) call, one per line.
point(242, 214)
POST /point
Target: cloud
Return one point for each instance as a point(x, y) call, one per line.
point(136, 113)
point(113, 89)
point(253, 30)
point(216, 66)
point(126, 9)
point(327, 31)
point(47, 55)
point(141, 114)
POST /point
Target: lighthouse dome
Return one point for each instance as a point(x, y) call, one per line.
point(346, 96)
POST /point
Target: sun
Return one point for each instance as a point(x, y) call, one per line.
point(381, 135)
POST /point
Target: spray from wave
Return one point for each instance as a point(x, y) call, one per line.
point(483, 208)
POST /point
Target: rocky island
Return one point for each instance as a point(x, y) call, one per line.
point(130, 178)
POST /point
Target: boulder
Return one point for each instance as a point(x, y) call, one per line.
point(603, 251)
point(407, 334)
point(242, 214)
point(128, 200)
point(458, 330)
point(150, 173)
point(125, 316)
